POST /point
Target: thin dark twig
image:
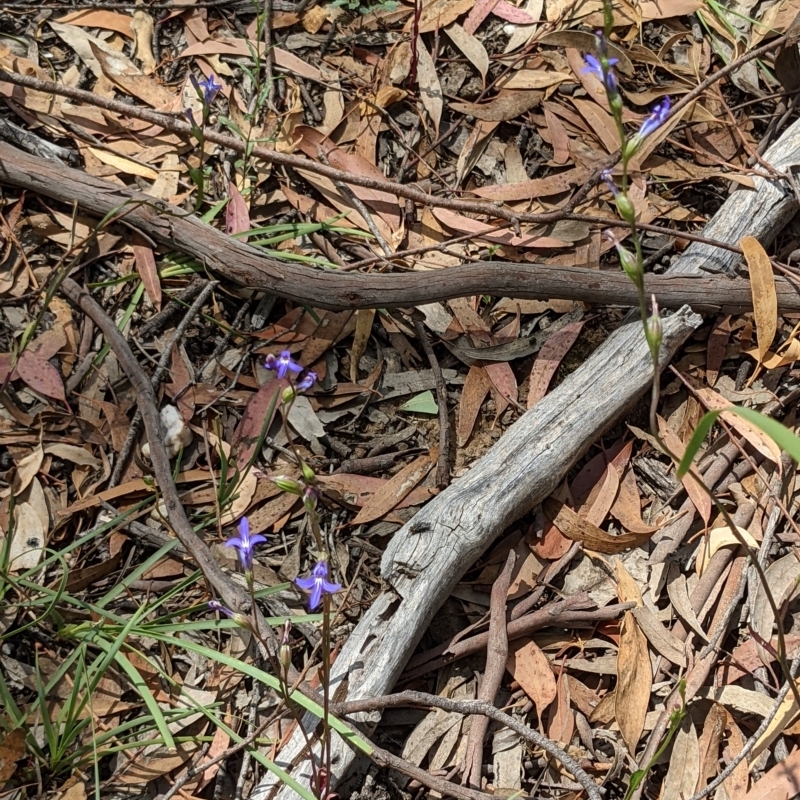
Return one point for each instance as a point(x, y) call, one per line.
point(158, 376)
point(417, 699)
point(443, 460)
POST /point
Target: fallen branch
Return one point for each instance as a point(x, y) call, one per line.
point(487, 710)
point(247, 266)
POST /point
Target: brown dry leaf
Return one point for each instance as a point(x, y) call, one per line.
point(762, 286)
point(599, 503)
point(122, 164)
point(721, 537)
point(148, 271)
point(684, 763)
point(736, 784)
point(715, 401)
point(503, 386)
point(600, 122)
point(782, 579)
point(311, 141)
point(534, 79)
point(28, 541)
point(558, 136)
point(364, 320)
point(478, 13)
point(483, 230)
point(627, 589)
point(590, 536)
point(143, 27)
point(708, 745)
point(151, 763)
point(257, 417)
point(782, 782)
point(395, 489)
point(789, 353)
point(12, 749)
point(561, 725)
point(357, 490)
point(430, 90)
point(237, 214)
point(538, 187)
point(716, 349)
point(507, 105)
point(627, 508)
point(27, 468)
point(531, 669)
point(439, 14)
point(634, 682)
point(332, 328)
point(128, 77)
point(548, 359)
point(700, 499)
point(474, 392)
point(470, 47)
point(108, 20)
point(660, 638)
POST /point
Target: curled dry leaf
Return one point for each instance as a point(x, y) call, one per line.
point(634, 682)
point(762, 285)
point(590, 536)
point(470, 47)
point(721, 537)
point(430, 90)
point(548, 359)
point(531, 670)
point(474, 392)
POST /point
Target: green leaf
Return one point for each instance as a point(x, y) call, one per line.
point(421, 404)
point(778, 432)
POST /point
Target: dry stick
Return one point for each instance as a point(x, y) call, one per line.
point(233, 596)
point(532, 737)
point(751, 742)
point(443, 461)
point(172, 308)
point(158, 376)
point(492, 210)
point(496, 655)
point(563, 615)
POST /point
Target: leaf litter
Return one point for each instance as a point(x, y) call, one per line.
point(488, 101)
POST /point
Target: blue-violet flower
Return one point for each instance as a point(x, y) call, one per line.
point(307, 381)
point(244, 543)
point(594, 66)
point(206, 88)
point(282, 363)
point(317, 583)
point(657, 117)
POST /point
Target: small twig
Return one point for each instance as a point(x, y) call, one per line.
point(532, 737)
point(443, 462)
point(496, 655)
point(247, 756)
point(158, 376)
point(158, 321)
point(751, 742)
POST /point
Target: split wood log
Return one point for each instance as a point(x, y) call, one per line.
point(520, 470)
point(247, 266)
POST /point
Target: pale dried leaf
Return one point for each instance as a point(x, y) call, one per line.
point(634, 681)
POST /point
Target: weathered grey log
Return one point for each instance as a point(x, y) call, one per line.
point(520, 471)
point(524, 467)
point(762, 212)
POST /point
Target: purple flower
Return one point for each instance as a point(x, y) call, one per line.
point(656, 119)
point(190, 116)
point(306, 382)
point(317, 583)
point(206, 88)
point(282, 364)
point(594, 66)
point(245, 543)
point(608, 179)
point(215, 605)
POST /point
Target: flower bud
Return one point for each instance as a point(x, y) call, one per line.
point(625, 208)
point(632, 267)
point(285, 656)
point(654, 329)
point(309, 476)
point(288, 485)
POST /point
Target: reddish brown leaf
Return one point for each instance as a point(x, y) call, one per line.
point(357, 490)
point(700, 499)
point(395, 489)
point(257, 417)
point(627, 508)
point(531, 670)
point(562, 719)
point(41, 376)
point(476, 387)
point(237, 215)
point(715, 352)
point(548, 359)
point(504, 385)
point(148, 272)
